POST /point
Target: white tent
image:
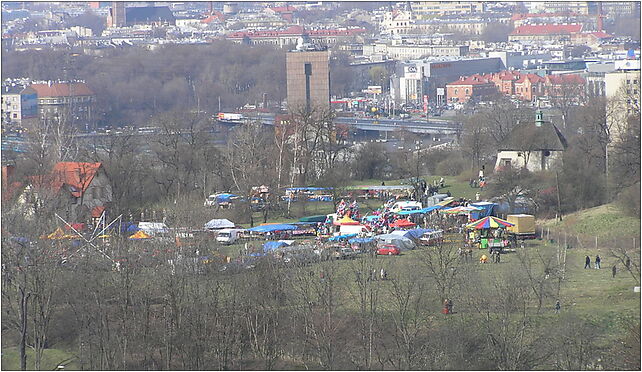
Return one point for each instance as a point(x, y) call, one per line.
point(398, 241)
point(153, 227)
point(221, 223)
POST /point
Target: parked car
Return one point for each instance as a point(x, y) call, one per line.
point(388, 250)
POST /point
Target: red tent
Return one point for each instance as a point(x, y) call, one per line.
point(402, 223)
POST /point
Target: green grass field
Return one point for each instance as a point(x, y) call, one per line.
point(51, 359)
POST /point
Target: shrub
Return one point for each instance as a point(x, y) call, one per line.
point(629, 200)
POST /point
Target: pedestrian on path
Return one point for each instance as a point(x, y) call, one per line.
point(558, 307)
point(597, 262)
point(614, 271)
point(587, 263)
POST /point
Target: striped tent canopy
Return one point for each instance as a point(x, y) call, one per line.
point(460, 210)
point(489, 222)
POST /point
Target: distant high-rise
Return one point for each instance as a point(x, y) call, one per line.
point(308, 78)
point(117, 16)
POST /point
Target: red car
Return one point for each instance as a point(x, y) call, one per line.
point(389, 250)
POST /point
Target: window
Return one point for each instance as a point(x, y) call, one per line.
point(456, 91)
point(466, 90)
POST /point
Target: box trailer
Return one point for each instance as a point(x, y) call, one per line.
point(524, 226)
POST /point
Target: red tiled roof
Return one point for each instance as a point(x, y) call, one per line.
point(62, 90)
point(471, 80)
point(565, 79)
point(77, 176)
point(601, 35)
point(213, 16)
point(533, 78)
point(547, 29)
point(97, 211)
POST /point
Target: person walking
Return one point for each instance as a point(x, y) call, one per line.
point(628, 263)
point(597, 262)
point(587, 262)
point(613, 271)
point(558, 307)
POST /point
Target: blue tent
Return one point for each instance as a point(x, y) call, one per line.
point(372, 218)
point(272, 228)
point(341, 237)
point(416, 211)
point(487, 210)
point(272, 245)
point(224, 198)
point(360, 240)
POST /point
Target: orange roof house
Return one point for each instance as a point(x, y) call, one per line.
point(77, 176)
point(62, 90)
point(83, 187)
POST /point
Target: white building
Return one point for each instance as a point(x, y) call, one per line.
point(536, 146)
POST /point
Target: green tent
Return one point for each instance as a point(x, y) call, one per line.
point(318, 218)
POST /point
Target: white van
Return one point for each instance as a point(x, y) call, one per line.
point(228, 236)
point(353, 229)
point(407, 205)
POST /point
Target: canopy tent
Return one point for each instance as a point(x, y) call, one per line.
point(489, 223)
point(338, 238)
point(219, 223)
point(317, 218)
point(225, 198)
point(486, 210)
point(58, 234)
point(272, 228)
point(153, 227)
point(446, 201)
point(412, 233)
point(402, 224)
point(371, 218)
point(460, 210)
point(273, 245)
point(361, 240)
point(400, 242)
point(140, 234)
point(346, 221)
point(422, 210)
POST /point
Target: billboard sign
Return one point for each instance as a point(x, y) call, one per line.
point(411, 72)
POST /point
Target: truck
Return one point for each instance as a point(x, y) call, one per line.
point(524, 226)
point(223, 116)
point(229, 236)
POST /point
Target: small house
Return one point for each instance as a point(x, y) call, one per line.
point(536, 146)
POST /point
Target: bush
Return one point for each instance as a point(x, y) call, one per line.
point(451, 166)
point(629, 200)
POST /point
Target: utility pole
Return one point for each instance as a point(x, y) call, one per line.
point(559, 202)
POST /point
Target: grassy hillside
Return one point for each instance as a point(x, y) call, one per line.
point(605, 220)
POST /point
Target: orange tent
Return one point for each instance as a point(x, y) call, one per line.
point(59, 234)
point(346, 221)
point(140, 234)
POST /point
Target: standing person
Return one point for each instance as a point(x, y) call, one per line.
point(628, 263)
point(597, 262)
point(499, 257)
point(558, 307)
point(614, 271)
point(587, 262)
point(450, 306)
